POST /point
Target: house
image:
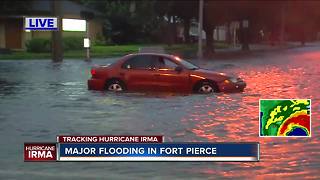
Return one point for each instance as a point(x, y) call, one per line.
point(220, 33)
point(13, 36)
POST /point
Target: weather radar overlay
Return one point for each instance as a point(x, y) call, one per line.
point(285, 117)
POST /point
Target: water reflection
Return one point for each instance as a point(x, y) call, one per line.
point(234, 117)
point(47, 99)
point(7, 88)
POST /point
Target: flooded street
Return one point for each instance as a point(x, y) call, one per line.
point(40, 99)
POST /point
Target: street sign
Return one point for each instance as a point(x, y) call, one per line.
point(86, 43)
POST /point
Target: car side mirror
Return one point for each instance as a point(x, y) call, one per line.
point(178, 69)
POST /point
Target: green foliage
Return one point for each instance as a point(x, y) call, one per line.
point(152, 20)
point(99, 40)
point(38, 45)
point(126, 21)
point(14, 7)
point(72, 43)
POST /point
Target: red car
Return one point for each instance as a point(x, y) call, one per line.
point(160, 72)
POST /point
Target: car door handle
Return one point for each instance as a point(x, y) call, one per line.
point(121, 74)
point(156, 74)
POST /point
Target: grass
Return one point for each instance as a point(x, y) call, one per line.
point(96, 51)
point(189, 50)
point(116, 50)
point(183, 50)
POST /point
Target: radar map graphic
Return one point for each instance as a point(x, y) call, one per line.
point(285, 117)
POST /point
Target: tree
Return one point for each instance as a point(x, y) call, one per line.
point(172, 12)
point(293, 19)
point(57, 50)
point(126, 21)
point(246, 13)
point(215, 13)
point(303, 20)
point(14, 7)
point(166, 13)
point(186, 10)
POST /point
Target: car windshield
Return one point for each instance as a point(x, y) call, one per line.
point(188, 65)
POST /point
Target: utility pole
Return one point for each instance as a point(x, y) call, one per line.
point(200, 27)
point(244, 26)
point(88, 38)
point(87, 41)
point(57, 50)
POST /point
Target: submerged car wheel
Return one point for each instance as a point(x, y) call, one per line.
point(115, 86)
point(206, 87)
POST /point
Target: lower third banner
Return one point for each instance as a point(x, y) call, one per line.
point(158, 152)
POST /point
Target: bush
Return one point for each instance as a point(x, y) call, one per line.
point(72, 43)
point(99, 41)
point(38, 45)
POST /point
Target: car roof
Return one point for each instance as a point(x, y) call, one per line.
point(153, 54)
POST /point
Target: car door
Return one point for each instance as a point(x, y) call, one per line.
point(168, 79)
point(139, 73)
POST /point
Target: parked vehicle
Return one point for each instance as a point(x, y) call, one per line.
point(160, 72)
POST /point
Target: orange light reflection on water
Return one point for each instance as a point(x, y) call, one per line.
point(235, 118)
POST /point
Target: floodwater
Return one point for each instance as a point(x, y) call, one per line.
point(40, 99)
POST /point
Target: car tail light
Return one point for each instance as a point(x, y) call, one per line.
point(93, 72)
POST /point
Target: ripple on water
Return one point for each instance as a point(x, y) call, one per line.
point(40, 99)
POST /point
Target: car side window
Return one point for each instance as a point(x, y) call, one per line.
point(165, 63)
point(139, 62)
